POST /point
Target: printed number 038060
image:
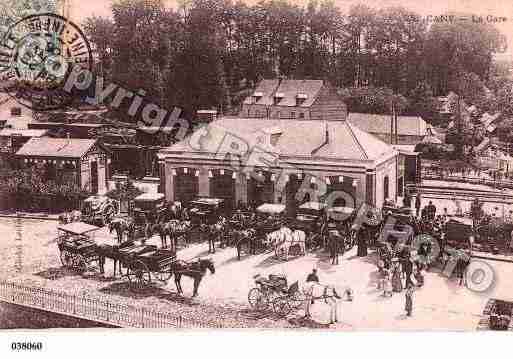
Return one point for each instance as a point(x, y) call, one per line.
point(21, 346)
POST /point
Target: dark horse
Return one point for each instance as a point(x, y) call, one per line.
point(112, 252)
point(196, 270)
point(121, 225)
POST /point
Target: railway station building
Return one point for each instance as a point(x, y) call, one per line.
point(283, 157)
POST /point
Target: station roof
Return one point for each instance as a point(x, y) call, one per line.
point(308, 138)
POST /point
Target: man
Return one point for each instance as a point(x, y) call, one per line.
point(312, 277)
point(431, 211)
point(408, 270)
point(408, 307)
point(417, 204)
point(333, 243)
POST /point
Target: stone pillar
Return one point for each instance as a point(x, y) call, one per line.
point(203, 183)
point(169, 181)
point(241, 188)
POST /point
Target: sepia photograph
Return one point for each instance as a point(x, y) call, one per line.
point(311, 165)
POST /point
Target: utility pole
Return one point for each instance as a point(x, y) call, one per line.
point(392, 123)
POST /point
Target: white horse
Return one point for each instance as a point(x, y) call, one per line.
point(314, 291)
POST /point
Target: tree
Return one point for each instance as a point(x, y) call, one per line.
point(457, 47)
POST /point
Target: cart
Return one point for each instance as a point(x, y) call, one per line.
point(77, 248)
point(145, 263)
point(273, 291)
point(291, 300)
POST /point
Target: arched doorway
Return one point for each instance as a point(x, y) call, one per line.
point(260, 190)
point(222, 185)
point(344, 185)
point(186, 185)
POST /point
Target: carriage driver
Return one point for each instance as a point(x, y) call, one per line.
point(312, 277)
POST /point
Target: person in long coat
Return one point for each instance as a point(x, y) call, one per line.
point(397, 284)
point(408, 305)
point(362, 243)
point(333, 244)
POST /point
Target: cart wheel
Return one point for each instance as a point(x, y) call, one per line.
point(164, 276)
point(296, 300)
point(257, 299)
point(79, 263)
point(139, 275)
point(282, 306)
point(66, 258)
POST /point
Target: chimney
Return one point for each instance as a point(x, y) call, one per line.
point(206, 116)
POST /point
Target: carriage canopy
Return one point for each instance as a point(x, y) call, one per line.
point(78, 228)
point(270, 208)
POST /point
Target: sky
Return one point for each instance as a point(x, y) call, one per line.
point(496, 8)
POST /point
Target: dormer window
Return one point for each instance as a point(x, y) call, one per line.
point(257, 96)
point(300, 98)
point(278, 96)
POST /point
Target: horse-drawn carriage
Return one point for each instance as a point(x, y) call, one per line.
point(144, 262)
point(77, 248)
point(205, 210)
point(458, 233)
point(274, 291)
point(98, 210)
point(148, 208)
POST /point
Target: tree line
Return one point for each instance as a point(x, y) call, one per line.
point(211, 53)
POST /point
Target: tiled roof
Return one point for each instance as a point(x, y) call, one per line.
point(56, 147)
point(372, 123)
point(289, 88)
point(299, 138)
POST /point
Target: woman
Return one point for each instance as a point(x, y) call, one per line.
point(408, 307)
point(397, 284)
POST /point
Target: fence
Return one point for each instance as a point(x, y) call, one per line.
point(94, 309)
point(501, 183)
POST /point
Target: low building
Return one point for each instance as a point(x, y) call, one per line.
point(294, 99)
point(11, 140)
point(254, 161)
point(411, 130)
point(83, 162)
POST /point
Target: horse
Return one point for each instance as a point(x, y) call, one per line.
point(112, 252)
point(314, 291)
point(195, 270)
point(173, 228)
point(245, 236)
point(121, 225)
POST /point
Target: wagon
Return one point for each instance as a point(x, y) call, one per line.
point(272, 291)
point(77, 248)
point(206, 210)
point(145, 263)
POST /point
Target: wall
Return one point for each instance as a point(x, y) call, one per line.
point(387, 168)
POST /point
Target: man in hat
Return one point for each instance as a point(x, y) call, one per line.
point(417, 204)
point(312, 277)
